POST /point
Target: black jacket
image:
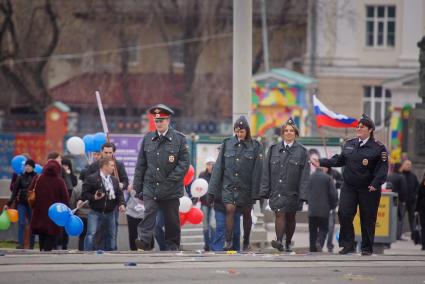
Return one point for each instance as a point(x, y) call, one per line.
point(363, 166)
point(412, 187)
point(420, 203)
point(285, 176)
point(399, 185)
point(122, 174)
point(161, 166)
point(94, 183)
point(322, 194)
point(237, 172)
point(20, 188)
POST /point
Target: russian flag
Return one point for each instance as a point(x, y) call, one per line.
point(326, 117)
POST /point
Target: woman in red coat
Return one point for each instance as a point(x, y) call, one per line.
point(50, 188)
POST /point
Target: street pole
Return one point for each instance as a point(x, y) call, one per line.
point(265, 36)
point(242, 78)
point(242, 58)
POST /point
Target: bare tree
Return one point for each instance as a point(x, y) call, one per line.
point(29, 34)
point(197, 20)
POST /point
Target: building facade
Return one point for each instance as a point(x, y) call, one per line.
point(363, 53)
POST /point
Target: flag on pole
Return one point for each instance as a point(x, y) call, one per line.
point(326, 117)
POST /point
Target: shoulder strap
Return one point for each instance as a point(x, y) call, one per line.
point(36, 181)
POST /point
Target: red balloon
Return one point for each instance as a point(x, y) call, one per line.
point(183, 218)
point(194, 216)
point(190, 174)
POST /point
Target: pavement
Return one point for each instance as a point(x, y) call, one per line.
point(200, 267)
point(403, 263)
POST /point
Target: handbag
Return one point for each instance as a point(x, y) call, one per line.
point(31, 194)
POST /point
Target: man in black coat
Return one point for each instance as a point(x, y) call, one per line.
point(365, 162)
point(412, 191)
point(322, 198)
point(398, 183)
point(102, 191)
point(108, 150)
point(158, 179)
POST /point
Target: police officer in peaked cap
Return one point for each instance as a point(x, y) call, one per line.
point(158, 178)
point(236, 177)
point(365, 162)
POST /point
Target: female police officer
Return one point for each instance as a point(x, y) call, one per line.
point(236, 175)
point(365, 162)
point(284, 181)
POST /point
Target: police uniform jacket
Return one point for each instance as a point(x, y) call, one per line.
point(363, 166)
point(285, 176)
point(161, 166)
point(237, 172)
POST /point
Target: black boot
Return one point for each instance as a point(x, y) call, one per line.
point(246, 245)
point(228, 244)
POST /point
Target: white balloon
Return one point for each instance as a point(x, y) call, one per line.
point(75, 145)
point(185, 204)
point(199, 187)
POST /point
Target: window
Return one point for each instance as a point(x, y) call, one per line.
point(376, 104)
point(380, 26)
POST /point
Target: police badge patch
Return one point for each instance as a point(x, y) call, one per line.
point(384, 156)
point(171, 159)
point(365, 162)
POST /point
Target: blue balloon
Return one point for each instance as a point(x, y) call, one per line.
point(75, 226)
point(38, 168)
point(89, 142)
point(98, 141)
point(18, 164)
point(59, 213)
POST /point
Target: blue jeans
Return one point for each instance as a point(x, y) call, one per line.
point(159, 230)
point(208, 225)
point(24, 212)
point(218, 243)
point(94, 221)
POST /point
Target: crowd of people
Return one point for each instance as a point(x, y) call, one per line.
point(287, 175)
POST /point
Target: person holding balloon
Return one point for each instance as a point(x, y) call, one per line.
point(158, 179)
point(237, 175)
point(19, 197)
point(49, 188)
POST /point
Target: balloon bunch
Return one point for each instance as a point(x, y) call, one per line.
point(89, 143)
point(18, 165)
point(8, 216)
point(94, 142)
point(188, 213)
point(62, 216)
